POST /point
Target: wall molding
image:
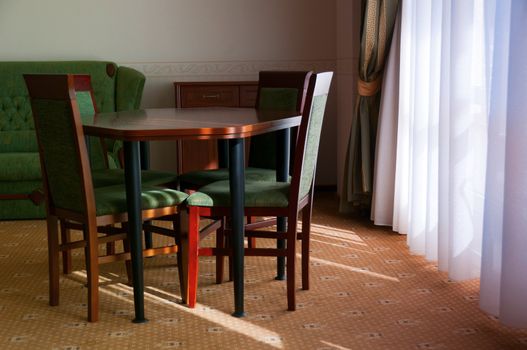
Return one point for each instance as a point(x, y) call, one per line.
point(221, 70)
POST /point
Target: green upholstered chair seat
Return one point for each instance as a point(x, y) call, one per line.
point(112, 199)
point(19, 166)
point(201, 178)
point(257, 194)
point(110, 177)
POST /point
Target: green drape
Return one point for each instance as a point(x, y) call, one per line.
point(378, 19)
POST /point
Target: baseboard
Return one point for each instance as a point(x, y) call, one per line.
point(325, 188)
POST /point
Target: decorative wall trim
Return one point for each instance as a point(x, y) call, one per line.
point(220, 70)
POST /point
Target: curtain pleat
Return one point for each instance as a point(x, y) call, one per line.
point(378, 19)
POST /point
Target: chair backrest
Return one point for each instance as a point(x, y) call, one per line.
point(88, 107)
point(277, 90)
point(63, 155)
point(309, 136)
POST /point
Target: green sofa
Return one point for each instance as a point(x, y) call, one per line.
point(115, 88)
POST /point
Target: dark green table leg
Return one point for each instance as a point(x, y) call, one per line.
point(237, 188)
point(223, 154)
point(132, 173)
point(145, 165)
point(283, 140)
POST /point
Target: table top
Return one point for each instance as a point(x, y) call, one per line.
point(188, 123)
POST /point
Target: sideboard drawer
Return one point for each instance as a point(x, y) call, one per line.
point(210, 96)
point(202, 154)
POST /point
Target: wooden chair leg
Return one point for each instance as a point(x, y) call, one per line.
point(110, 247)
point(220, 243)
point(53, 258)
point(251, 241)
point(65, 237)
point(176, 224)
point(193, 246)
point(148, 237)
point(92, 270)
point(128, 263)
point(306, 236)
point(291, 258)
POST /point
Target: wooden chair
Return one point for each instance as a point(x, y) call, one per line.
point(104, 173)
point(269, 198)
point(68, 186)
point(277, 90)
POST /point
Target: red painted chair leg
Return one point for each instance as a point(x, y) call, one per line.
point(193, 238)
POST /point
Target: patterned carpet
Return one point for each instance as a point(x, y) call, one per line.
point(367, 292)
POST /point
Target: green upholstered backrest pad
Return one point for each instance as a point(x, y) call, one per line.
point(312, 142)
point(263, 147)
point(60, 151)
point(16, 122)
point(87, 112)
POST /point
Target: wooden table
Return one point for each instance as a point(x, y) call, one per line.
point(234, 124)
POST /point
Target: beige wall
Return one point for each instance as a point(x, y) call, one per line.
point(185, 40)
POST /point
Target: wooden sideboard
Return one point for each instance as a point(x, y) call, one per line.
point(198, 155)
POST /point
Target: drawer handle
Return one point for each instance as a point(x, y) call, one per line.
point(211, 96)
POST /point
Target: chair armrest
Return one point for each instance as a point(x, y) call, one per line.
point(129, 89)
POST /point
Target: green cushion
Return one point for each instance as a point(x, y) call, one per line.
point(112, 199)
point(313, 140)
point(19, 166)
point(200, 178)
point(110, 177)
point(257, 194)
point(18, 141)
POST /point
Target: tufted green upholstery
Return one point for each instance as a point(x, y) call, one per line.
point(115, 88)
point(257, 194)
point(111, 200)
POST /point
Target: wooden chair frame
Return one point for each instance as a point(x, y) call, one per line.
point(62, 87)
point(318, 85)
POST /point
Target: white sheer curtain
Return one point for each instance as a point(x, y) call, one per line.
point(441, 137)
point(385, 150)
point(460, 189)
point(504, 262)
